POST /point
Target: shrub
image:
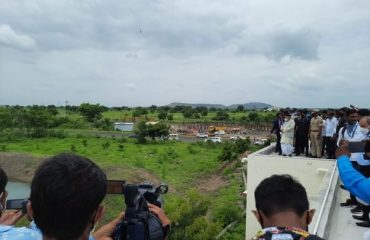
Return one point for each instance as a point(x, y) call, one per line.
point(105, 145)
point(73, 148)
point(3, 148)
point(121, 147)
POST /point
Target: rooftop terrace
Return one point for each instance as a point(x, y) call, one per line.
point(321, 180)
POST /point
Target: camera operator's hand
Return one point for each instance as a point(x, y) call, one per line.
point(106, 231)
point(343, 149)
point(11, 217)
point(160, 214)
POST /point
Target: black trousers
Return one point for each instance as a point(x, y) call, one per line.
point(301, 144)
point(330, 147)
point(278, 143)
point(352, 197)
point(365, 170)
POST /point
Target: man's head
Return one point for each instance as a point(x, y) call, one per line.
point(3, 183)
point(330, 115)
point(3, 180)
point(352, 116)
point(287, 115)
point(365, 123)
point(66, 193)
point(280, 201)
point(314, 114)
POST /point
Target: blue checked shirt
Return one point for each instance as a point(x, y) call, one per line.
point(22, 233)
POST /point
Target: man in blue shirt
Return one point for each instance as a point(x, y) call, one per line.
point(353, 180)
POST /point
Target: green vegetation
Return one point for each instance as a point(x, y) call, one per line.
point(198, 206)
point(37, 120)
point(197, 214)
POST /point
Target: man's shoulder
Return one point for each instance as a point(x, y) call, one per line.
point(18, 233)
point(284, 233)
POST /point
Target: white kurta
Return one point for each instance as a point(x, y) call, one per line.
point(287, 137)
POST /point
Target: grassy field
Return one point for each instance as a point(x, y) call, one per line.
point(181, 165)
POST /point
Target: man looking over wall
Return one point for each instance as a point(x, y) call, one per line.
point(282, 209)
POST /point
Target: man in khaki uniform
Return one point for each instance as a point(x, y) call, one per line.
point(316, 125)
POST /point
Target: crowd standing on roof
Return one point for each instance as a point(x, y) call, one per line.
point(320, 135)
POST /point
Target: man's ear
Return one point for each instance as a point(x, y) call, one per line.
point(257, 215)
point(3, 197)
point(99, 213)
point(29, 210)
point(310, 214)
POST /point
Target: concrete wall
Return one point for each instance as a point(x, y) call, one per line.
point(310, 172)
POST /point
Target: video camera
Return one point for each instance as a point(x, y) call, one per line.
point(139, 223)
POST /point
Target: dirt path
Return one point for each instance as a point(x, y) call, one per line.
point(19, 166)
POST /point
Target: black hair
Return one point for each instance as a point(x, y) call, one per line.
point(280, 193)
point(66, 192)
point(364, 112)
point(351, 111)
point(3, 180)
point(367, 147)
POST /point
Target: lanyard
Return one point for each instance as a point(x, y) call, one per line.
point(351, 134)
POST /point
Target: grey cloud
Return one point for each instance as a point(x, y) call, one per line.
point(9, 38)
point(302, 44)
point(153, 26)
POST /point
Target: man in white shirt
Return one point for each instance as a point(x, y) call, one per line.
point(352, 132)
point(330, 130)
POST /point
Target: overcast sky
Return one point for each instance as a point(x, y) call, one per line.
point(141, 52)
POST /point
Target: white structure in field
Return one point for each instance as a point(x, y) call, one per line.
point(321, 180)
point(123, 126)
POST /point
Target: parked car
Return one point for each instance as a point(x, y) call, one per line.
point(220, 132)
point(261, 141)
point(214, 139)
point(237, 137)
point(202, 135)
point(173, 136)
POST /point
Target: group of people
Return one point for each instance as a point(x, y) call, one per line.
point(65, 203)
point(317, 135)
point(282, 206)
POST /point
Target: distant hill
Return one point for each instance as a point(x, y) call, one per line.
point(251, 105)
point(194, 105)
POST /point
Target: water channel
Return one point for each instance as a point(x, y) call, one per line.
point(18, 190)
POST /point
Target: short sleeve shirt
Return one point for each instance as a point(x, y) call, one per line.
point(284, 233)
point(316, 123)
point(19, 233)
point(23, 233)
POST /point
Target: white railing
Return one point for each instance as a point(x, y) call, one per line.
point(317, 224)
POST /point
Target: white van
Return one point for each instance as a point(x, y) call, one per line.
point(173, 136)
point(214, 139)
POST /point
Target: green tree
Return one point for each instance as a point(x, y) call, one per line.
point(52, 109)
point(253, 116)
point(162, 115)
point(6, 118)
point(170, 117)
point(144, 130)
point(36, 120)
point(91, 111)
point(221, 116)
point(240, 108)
